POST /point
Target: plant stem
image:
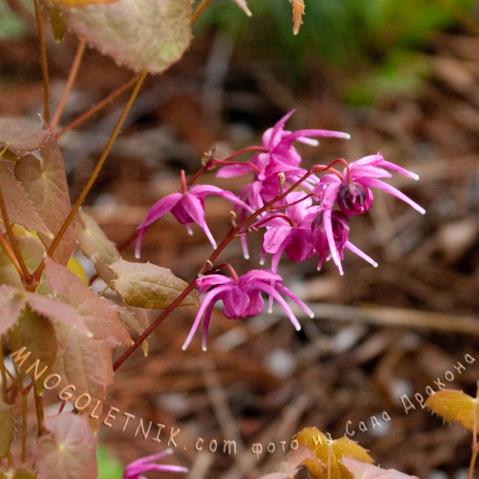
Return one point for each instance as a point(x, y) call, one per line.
point(3, 373)
point(234, 231)
point(13, 241)
point(474, 449)
point(75, 68)
point(9, 252)
point(199, 10)
point(96, 171)
point(44, 61)
point(39, 411)
point(98, 107)
point(24, 426)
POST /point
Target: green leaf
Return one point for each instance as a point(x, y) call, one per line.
point(144, 35)
point(146, 285)
point(6, 428)
point(68, 451)
point(453, 405)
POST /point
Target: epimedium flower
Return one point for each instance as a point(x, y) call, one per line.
point(291, 232)
point(242, 298)
point(280, 156)
point(323, 237)
point(352, 194)
point(188, 207)
point(136, 469)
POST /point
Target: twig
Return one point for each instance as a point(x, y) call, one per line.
point(24, 426)
point(98, 107)
point(10, 254)
point(3, 373)
point(40, 413)
point(94, 175)
point(44, 61)
point(13, 241)
point(69, 85)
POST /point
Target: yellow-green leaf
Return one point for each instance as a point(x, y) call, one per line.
point(143, 35)
point(328, 454)
point(146, 285)
point(57, 23)
point(454, 405)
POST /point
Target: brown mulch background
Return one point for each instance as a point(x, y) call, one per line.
point(378, 333)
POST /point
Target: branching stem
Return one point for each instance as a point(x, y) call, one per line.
point(75, 68)
point(96, 171)
point(98, 107)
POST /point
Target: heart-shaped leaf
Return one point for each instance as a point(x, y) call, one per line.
point(453, 405)
point(146, 285)
point(68, 451)
point(144, 35)
point(99, 315)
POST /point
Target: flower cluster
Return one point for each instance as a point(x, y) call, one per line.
point(303, 213)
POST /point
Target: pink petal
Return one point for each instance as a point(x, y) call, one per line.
point(232, 171)
point(210, 298)
point(372, 182)
point(328, 228)
point(354, 249)
point(275, 237)
point(160, 208)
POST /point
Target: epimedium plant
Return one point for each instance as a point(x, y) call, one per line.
point(52, 322)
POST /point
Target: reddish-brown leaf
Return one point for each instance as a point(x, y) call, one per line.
point(68, 451)
point(12, 302)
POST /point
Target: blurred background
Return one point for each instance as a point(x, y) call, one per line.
point(402, 78)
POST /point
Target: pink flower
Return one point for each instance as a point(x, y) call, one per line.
point(136, 469)
point(188, 207)
point(291, 232)
point(333, 235)
point(353, 195)
point(280, 157)
point(242, 298)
